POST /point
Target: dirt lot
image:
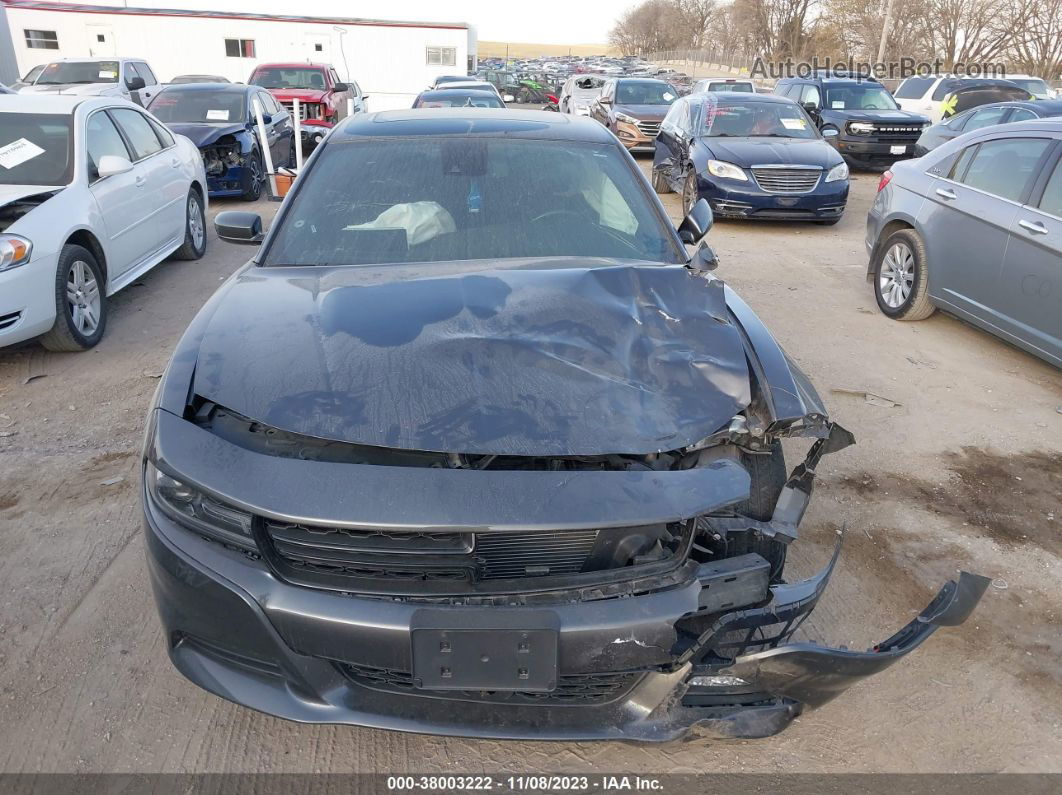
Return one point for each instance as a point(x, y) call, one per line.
point(964, 470)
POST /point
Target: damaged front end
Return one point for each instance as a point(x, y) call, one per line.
point(313, 570)
point(227, 163)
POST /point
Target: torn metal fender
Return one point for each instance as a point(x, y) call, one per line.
point(814, 674)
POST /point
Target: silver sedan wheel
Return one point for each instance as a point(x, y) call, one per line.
point(83, 298)
point(196, 227)
point(896, 276)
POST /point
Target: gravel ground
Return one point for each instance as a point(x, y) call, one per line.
point(960, 468)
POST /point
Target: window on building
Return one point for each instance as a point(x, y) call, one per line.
point(42, 40)
point(318, 47)
point(239, 48)
point(442, 56)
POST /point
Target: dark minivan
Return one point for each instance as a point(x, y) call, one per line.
point(858, 116)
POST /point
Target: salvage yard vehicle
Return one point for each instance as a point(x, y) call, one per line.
point(720, 84)
point(929, 95)
point(219, 118)
point(985, 116)
point(755, 156)
point(131, 78)
point(180, 79)
point(478, 448)
point(858, 117)
point(578, 92)
point(975, 228)
point(633, 108)
point(322, 95)
point(95, 193)
point(458, 98)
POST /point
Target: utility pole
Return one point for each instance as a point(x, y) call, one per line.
point(885, 31)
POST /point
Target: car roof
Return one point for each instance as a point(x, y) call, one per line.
point(232, 88)
point(738, 96)
point(442, 93)
point(480, 121)
point(292, 65)
point(95, 60)
point(1049, 107)
point(639, 80)
point(52, 103)
point(1051, 125)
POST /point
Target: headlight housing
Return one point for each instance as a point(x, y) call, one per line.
point(14, 251)
point(193, 509)
point(840, 171)
point(860, 127)
point(625, 118)
point(720, 168)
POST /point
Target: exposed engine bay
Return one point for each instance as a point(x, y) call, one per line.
point(13, 211)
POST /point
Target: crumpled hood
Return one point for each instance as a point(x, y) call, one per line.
point(12, 193)
point(758, 150)
point(204, 134)
point(537, 358)
point(301, 94)
point(645, 112)
point(81, 89)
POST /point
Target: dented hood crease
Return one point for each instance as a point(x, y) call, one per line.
point(533, 358)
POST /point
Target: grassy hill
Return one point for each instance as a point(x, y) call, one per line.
point(496, 49)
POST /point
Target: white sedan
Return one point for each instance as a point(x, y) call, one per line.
point(94, 192)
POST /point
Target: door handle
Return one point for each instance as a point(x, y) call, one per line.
point(1033, 226)
point(140, 181)
point(944, 193)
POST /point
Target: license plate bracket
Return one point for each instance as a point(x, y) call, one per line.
point(494, 649)
point(898, 150)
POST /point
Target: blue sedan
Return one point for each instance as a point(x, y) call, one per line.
point(751, 156)
point(219, 119)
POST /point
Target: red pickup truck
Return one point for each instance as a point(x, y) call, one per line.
point(322, 95)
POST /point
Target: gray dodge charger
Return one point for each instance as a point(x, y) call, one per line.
point(473, 446)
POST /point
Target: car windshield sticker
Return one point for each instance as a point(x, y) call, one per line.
point(217, 115)
point(837, 104)
point(18, 152)
point(668, 96)
point(107, 74)
point(793, 124)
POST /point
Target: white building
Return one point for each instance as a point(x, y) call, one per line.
point(391, 60)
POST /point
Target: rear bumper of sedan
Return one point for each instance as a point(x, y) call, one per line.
point(707, 645)
point(732, 199)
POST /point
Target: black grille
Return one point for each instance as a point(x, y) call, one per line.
point(418, 556)
point(573, 689)
point(307, 110)
point(9, 320)
point(907, 130)
point(787, 180)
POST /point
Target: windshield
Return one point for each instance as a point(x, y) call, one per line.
point(734, 118)
point(293, 77)
point(199, 106)
point(456, 99)
point(467, 200)
point(65, 72)
point(35, 149)
point(1033, 86)
point(648, 92)
point(859, 97)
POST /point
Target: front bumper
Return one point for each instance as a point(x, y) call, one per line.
point(632, 137)
point(233, 182)
point(629, 668)
point(874, 153)
point(732, 199)
point(27, 299)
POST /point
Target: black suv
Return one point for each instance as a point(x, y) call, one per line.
point(858, 116)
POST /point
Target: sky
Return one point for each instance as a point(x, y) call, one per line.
point(540, 21)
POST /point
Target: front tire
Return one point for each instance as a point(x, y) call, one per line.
point(194, 245)
point(689, 192)
point(660, 182)
point(255, 177)
point(80, 302)
point(901, 277)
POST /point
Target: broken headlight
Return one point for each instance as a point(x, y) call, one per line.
point(196, 511)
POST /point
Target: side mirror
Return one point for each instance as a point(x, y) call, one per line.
point(364, 96)
point(830, 132)
point(339, 87)
point(696, 223)
point(238, 226)
point(110, 165)
point(605, 100)
point(704, 259)
point(135, 83)
point(267, 118)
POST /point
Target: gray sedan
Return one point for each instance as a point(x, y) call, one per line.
point(975, 228)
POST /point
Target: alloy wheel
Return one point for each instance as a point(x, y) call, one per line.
point(896, 275)
point(196, 227)
point(83, 298)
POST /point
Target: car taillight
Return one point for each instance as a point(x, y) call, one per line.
point(884, 180)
